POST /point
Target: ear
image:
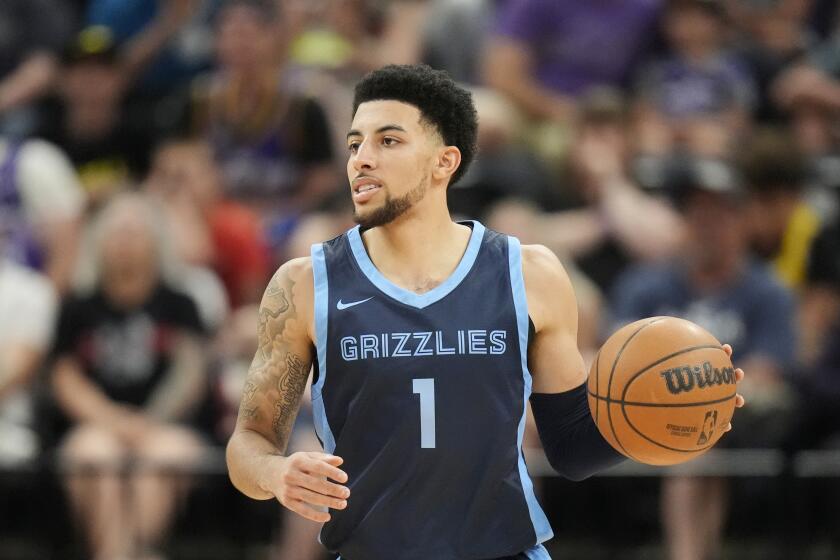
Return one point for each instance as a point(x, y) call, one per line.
point(448, 161)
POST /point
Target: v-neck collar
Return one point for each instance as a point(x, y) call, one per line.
point(407, 296)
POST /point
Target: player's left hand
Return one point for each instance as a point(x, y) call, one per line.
point(739, 376)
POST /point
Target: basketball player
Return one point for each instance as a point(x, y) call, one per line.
point(427, 338)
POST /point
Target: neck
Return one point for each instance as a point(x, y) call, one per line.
point(710, 276)
point(421, 248)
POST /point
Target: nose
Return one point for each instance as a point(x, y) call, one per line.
point(364, 157)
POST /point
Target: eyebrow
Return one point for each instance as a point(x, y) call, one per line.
point(379, 130)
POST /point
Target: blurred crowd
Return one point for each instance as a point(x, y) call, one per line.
point(160, 158)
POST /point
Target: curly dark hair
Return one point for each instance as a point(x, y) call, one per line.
point(442, 103)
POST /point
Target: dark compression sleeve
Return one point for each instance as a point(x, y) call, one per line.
point(570, 438)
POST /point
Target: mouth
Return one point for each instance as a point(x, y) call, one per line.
point(365, 188)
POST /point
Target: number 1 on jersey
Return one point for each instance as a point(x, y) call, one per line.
point(426, 389)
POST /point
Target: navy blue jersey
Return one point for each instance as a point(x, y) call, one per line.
point(424, 395)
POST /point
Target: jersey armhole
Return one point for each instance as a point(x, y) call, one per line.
point(532, 331)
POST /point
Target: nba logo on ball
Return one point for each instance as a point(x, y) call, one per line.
point(660, 388)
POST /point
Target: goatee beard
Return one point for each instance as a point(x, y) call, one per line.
point(392, 208)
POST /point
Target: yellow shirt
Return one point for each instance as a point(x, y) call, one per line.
point(791, 261)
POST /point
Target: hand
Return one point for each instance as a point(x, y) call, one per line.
point(175, 13)
point(598, 159)
point(739, 376)
point(798, 83)
point(130, 425)
point(299, 482)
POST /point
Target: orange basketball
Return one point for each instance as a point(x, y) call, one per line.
point(661, 390)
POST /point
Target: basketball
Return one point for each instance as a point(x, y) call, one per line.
point(661, 390)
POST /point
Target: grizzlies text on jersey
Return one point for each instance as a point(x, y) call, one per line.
point(423, 395)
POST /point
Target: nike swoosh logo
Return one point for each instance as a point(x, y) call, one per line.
point(341, 305)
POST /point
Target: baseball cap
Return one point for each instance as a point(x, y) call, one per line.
point(689, 174)
point(92, 44)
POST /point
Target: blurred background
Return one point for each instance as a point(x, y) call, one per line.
point(160, 158)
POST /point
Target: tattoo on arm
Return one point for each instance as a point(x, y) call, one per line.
point(278, 375)
point(290, 386)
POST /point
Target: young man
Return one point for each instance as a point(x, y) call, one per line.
point(425, 334)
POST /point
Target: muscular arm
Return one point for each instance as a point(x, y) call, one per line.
point(572, 442)
point(553, 356)
point(276, 378)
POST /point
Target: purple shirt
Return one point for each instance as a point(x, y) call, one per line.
point(679, 88)
point(578, 44)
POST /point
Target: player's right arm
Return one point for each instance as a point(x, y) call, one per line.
point(270, 402)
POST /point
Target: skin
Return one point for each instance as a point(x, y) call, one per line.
point(392, 147)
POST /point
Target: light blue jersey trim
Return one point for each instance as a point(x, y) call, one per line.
point(319, 272)
point(517, 283)
point(537, 553)
point(407, 296)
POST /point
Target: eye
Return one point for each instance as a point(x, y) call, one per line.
point(390, 141)
point(353, 147)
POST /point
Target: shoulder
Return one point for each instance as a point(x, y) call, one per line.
point(762, 284)
point(48, 180)
point(287, 304)
point(295, 270)
point(547, 286)
point(291, 290)
point(28, 291)
point(541, 264)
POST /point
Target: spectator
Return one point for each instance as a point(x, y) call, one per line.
point(772, 36)
point(33, 32)
point(41, 204)
point(697, 82)
point(129, 371)
point(208, 229)
point(596, 221)
point(274, 147)
point(164, 44)
point(815, 80)
point(781, 222)
point(714, 284)
point(820, 298)
point(503, 167)
point(89, 122)
point(27, 310)
point(818, 421)
point(455, 35)
point(546, 53)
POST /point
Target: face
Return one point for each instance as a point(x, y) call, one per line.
point(690, 27)
point(185, 170)
point(243, 40)
point(75, 85)
point(128, 255)
point(716, 230)
point(767, 216)
point(392, 155)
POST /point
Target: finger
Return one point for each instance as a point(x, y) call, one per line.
point(739, 401)
point(319, 467)
point(739, 375)
point(728, 349)
point(322, 486)
point(728, 427)
point(304, 510)
point(316, 499)
point(334, 460)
